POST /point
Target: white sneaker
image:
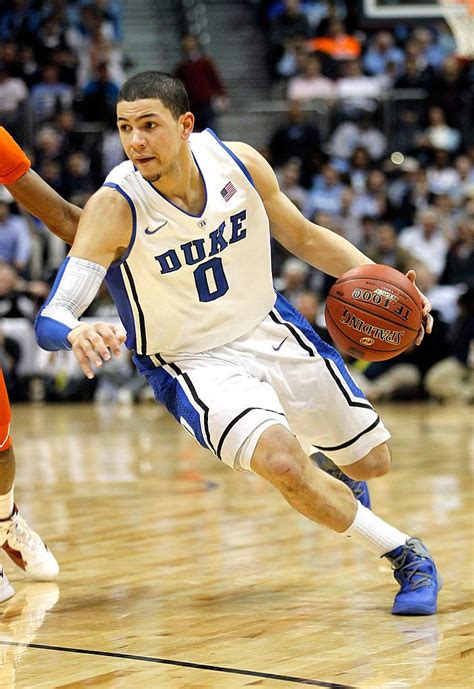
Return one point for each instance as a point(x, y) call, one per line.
point(6, 589)
point(26, 549)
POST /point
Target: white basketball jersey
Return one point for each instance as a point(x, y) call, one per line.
point(188, 283)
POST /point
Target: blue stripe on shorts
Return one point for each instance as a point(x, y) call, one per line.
point(169, 392)
point(288, 313)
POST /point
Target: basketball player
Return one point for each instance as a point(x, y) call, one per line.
point(181, 232)
point(23, 545)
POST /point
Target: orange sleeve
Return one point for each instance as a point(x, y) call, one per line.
point(5, 416)
point(13, 160)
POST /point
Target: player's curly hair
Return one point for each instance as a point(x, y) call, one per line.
point(152, 84)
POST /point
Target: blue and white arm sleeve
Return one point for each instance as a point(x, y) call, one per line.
point(76, 285)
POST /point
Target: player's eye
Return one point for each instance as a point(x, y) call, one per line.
point(125, 128)
point(150, 125)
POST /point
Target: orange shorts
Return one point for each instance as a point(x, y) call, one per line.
point(5, 416)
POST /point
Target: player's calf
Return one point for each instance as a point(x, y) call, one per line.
point(376, 463)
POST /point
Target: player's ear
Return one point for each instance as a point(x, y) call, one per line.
point(186, 121)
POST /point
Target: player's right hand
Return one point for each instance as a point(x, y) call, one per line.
point(95, 343)
point(14, 162)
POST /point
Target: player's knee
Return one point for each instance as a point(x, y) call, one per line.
point(376, 463)
point(278, 458)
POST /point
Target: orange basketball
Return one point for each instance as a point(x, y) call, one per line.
point(373, 312)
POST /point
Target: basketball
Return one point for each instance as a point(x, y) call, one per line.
point(373, 312)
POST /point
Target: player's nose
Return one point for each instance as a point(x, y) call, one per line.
point(138, 140)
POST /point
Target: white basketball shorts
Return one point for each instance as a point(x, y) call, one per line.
point(280, 372)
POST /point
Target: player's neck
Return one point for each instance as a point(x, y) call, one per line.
point(183, 185)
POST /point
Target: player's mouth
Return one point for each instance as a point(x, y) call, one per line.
point(144, 160)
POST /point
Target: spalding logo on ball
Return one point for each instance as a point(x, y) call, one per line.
point(373, 312)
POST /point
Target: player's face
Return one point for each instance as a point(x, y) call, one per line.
point(151, 137)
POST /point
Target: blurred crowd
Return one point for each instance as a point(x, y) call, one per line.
point(405, 198)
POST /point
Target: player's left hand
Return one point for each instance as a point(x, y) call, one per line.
point(427, 322)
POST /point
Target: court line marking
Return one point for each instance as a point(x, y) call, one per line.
point(181, 663)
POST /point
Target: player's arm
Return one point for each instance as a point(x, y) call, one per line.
point(103, 234)
point(318, 246)
point(32, 192)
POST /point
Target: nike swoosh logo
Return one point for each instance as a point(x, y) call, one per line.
point(281, 344)
point(147, 231)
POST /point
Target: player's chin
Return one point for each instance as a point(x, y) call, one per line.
point(152, 177)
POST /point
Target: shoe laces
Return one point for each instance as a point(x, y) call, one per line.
point(22, 534)
point(411, 569)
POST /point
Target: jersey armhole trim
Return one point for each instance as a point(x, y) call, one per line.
point(232, 155)
point(127, 251)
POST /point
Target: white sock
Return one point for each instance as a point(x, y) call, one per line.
point(6, 505)
point(373, 533)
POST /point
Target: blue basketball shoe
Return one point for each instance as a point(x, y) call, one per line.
point(360, 489)
point(415, 571)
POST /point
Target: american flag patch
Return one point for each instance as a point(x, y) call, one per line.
point(228, 191)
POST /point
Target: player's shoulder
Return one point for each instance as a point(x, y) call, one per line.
point(120, 173)
point(250, 157)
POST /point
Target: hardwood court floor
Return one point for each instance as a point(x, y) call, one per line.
point(178, 573)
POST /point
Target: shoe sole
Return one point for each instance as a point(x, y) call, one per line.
point(6, 591)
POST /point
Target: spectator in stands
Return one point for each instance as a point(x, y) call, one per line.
point(51, 171)
point(326, 192)
point(433, 52)
point(293, 279)
point(357, 92)
point(425, 241)
point(47, 145)
point(368, 231)
point(387, 250)
point(290, 63)
point(70, 139)
point(337, 43)
point(441, 175)
point(50, 95)
point(310, 82)
point(359, 167)
point(15, 242)
point(402, 180)
point(452, 378)
point(28, 65)
point(206, 90)
point(51, 37)
point(14, 303)
point(438, 134)
point(465, 171)
point(451, 89)
point(348, 135)
point(459, 266)
point(297, 138)
point(99, 97)
point(10, 60)
point(291, 24)
point(92, 21)
point(373, 200)
point(13, 92)
point(414, 199)
point(19, 21)
point(99, 49)
point(414, 73)
point(67, 65)
point(77, 183)
point(381, 53)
